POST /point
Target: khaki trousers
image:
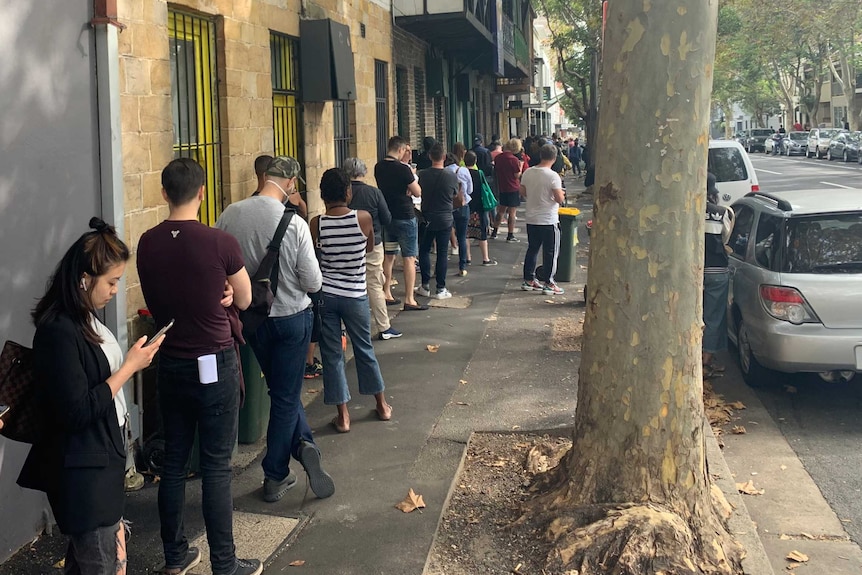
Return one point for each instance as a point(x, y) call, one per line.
point(374, 283)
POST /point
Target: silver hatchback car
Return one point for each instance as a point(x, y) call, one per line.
point(795, 297)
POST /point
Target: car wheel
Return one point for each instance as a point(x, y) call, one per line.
point(846, 157)
point(829, 155)
point(859, 157)
point(754, 374)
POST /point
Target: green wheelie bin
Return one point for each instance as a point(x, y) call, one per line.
point(254, 415)
point(567, 258)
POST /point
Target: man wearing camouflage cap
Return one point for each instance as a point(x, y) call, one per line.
point(281, 342)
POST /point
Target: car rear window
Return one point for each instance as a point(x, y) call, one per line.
point(727, 165)
point(798, 136)
point(761, 132)
point(824, 244)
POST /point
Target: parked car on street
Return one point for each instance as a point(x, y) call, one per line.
point(756, 140)
point(795, 143)
point(795, 280)
point(818, 141)
point(733, 170)
point(846, 146)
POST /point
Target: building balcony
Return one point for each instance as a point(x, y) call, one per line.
point(459, 27)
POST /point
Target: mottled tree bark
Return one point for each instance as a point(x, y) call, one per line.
point(633, 495)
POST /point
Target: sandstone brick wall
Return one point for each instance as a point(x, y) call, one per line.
point(245, 99)
point(409, 54)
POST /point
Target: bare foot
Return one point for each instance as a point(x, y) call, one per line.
point(340, 425)
point(384, 411)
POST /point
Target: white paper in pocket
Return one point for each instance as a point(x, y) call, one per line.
point(207, 369)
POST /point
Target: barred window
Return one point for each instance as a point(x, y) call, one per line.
point(194, 102)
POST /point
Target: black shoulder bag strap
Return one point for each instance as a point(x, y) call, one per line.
point(275, 246)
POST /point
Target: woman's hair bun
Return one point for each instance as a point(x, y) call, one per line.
point(99, 225)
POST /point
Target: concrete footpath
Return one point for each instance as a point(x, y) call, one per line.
point(494, 370)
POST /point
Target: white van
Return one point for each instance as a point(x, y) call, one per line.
point(734, 173)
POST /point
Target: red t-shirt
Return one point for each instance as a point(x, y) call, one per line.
point(506, 168)
point(183, 266)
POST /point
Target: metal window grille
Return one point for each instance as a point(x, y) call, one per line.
point(419, 98)
point(194, 102)
point(439, 119)
point(286, 105)
point(341, 123)
point(401, 100)
point(381, 94)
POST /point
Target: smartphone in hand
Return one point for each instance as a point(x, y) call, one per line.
point(159, 333)
point(3, 410)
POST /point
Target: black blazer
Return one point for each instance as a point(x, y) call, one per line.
point(80, 462)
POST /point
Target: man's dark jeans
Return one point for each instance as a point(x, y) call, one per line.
point(441, 237)
point(280, 345)
point(212, 410)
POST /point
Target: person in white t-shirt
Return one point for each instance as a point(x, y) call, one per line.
point(543, 190)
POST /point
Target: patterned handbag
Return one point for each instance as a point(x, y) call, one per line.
point(23, 422)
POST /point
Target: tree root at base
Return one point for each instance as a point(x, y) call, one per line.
point(639, 539)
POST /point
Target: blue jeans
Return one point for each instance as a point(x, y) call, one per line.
point(462, 218)
point(280, 344)
point(441, 237)
point(356, 315)
point(211, 410)
point(715, 287)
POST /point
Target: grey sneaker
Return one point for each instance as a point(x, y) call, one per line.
point(423, 290)
point(319, 480)
point(274, 490)
point(193, 557)
point(248, 567)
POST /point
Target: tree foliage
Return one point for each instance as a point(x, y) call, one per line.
point(775, 54)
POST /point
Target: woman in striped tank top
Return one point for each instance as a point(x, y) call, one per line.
point(343, 237)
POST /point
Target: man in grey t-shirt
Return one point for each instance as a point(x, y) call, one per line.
point(281, 342)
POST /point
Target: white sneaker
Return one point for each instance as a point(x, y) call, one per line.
point(453, 250)
point(443, 294)
point(423, 291)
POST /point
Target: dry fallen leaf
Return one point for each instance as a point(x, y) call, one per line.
point(782, 467)
point(737, 405)
point(461, 403)
point(432, 348)
point(61, 564)
point(738, 430)
point(411, 502)
point(462, 381)
point(748, 488)
point(297, 563)
point(785, 537)
point(797, 556)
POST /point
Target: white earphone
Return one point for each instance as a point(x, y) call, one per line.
point(83, 284)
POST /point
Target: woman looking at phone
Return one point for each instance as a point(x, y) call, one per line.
point(80, 459)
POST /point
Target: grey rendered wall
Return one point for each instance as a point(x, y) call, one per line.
point(49, 187)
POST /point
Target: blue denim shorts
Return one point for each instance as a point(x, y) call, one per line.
point(403, 235)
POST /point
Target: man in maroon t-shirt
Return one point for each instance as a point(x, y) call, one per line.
point(189, 273)
point(507, 173)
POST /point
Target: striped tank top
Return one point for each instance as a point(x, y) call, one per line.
point(342, 255)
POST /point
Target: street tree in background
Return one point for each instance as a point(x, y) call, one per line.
point(576, 44)
point(845, 22)
point(633, 495)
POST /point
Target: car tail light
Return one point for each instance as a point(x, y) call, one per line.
point(786, 304)
point(755, 188)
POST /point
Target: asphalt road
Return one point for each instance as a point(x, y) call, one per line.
point(822, 422)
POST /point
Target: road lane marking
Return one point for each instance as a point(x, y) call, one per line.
point(838, 185)
point(768, 171)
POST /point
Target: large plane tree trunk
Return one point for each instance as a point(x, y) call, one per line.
point(633, 495)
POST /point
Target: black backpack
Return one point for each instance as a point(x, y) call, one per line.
point(264, 282)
